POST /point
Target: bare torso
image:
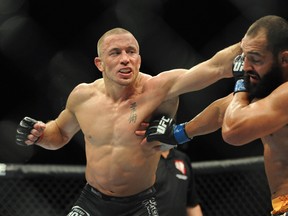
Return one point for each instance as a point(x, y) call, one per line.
point(117, 164)
point(276, 161)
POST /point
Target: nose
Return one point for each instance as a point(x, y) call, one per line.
point(246, 65)
point(124, 58)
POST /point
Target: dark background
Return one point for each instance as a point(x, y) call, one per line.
point(48, 47)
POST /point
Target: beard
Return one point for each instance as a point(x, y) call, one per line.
point(269, 82)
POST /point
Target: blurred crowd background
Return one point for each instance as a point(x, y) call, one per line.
point(48, 47)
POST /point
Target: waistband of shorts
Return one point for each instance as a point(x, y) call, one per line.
point(283, 214)
point(147, 192)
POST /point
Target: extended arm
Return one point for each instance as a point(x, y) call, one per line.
point(212, 70)
point(209, 120)
point(179, 81)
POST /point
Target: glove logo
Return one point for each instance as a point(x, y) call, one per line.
point(238, 63)
point(162, 125)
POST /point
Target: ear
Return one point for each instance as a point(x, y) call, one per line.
point(98, 63)
point(284, 58)
point(140, 60)
point(284, 64)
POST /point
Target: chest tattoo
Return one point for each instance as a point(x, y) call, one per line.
point(133, 115)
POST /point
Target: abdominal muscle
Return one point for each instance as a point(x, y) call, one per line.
point(120, 170)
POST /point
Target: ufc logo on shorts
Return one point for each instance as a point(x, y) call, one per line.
point(151, 207)
point(78, 211)
point(162, 125)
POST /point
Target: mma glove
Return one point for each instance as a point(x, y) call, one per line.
point(24, 129)
point(165, 130)
point(241, 78)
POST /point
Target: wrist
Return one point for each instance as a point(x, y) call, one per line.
point(240, 86)
point(180, 134)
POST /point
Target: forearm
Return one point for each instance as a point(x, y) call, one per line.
point(201, 75)
point(210, 119)
point(233, 128)
point(210, 71)
point(52, 137)
point(224, 59)
point(200, 125)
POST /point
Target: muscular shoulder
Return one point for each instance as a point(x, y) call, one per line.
point(84, 89)
point(160, 82)
point(148, 82)
point(281, 90)
point(83, 92)
point(279, 97)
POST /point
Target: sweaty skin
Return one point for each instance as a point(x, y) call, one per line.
point(109, 110)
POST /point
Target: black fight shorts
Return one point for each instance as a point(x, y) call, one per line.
point(93, 203)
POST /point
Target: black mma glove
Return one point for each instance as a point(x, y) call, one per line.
point(24, 129)
point(165, 130)
point(241, 78)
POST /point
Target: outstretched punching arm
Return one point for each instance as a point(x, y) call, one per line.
point(207, 121)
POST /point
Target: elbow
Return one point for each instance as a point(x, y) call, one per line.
point(50, 144)
point(232, 137)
